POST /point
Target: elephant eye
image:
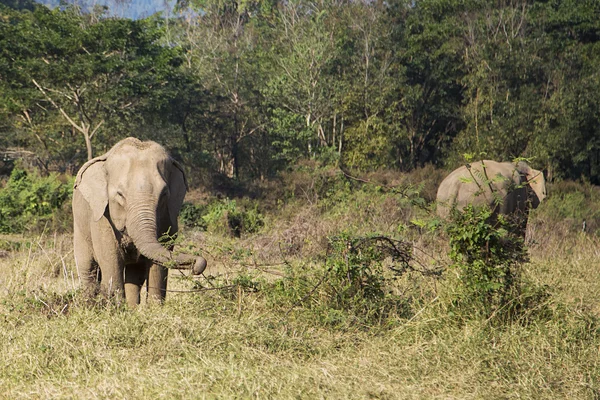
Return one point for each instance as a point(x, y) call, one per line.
point(120, 198)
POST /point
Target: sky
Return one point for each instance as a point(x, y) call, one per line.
point(133, 9)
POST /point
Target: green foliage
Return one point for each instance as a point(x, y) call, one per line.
point(572, 204)
point(217, 216)
point(353, 286)
point(247, 283)
point(503, 91)
point(319, 183)
point(249, 88)
point(488, 259)
point(191, 215)
point(356, 272)
point(368, 145)
point(29, 202)
point(72, 76)
point(291, 136)
point(569, 205)
point(224, 217)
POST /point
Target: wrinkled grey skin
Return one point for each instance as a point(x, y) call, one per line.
point(507, 188)
point(122, 202)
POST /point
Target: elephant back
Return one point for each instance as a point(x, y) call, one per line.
point(482, 183)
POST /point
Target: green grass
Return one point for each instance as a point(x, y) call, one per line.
point(248, 341)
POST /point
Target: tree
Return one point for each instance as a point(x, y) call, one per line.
point(371, 77)
point(567, 139)
point(427, 38)
point(301, 90)
point(504, 83)
point(221, 42)
point(73, 76)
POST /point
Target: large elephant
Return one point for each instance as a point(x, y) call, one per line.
point(507, 188)
point(123, 201)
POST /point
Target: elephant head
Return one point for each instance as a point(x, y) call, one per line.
point(139, 188)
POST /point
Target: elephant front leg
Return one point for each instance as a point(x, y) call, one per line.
point(87, 269)
point(110, 258)
point(157, 282)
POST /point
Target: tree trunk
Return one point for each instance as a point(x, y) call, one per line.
point(88, 143)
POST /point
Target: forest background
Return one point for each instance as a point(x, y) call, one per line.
point(314, 134)
point(242, 90)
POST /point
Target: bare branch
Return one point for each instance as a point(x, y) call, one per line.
point(96, 128)
point(73, 123)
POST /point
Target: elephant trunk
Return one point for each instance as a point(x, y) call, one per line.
point(142, 227)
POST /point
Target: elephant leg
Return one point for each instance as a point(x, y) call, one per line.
point(521, 224)
point(157, 282)
point(157, 274)
point(135, 275)
point(87, 269)
point(110, 258)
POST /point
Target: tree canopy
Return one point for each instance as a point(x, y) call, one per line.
point(246, 88)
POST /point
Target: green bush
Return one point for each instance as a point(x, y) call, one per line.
point(312, 182)
point(353, 287)
point(224, 217)
point(191, 215)
point(487, 260)
point(30, 202)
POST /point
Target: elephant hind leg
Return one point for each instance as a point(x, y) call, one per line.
point(135, 275)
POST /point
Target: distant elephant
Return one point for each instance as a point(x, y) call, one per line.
point(123, 201)
point(507, 188)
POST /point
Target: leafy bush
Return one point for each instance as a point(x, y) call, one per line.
point(224, 217)
point(353, 286)
point(356, 276)
point(310, 181)
point(488, 260)
point(191, 215)
point(29, 202)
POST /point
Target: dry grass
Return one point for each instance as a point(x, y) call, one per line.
point(237, 344)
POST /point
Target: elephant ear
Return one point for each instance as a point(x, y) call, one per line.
point(177, 188)
point(91, 183)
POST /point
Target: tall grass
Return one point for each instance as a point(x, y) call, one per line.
point(263, 322)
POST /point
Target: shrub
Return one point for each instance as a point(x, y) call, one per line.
point(310, 181)
point(29, 202)
point(191, 215)
point(223, 216)
point(353, 287)
point(488, 260)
